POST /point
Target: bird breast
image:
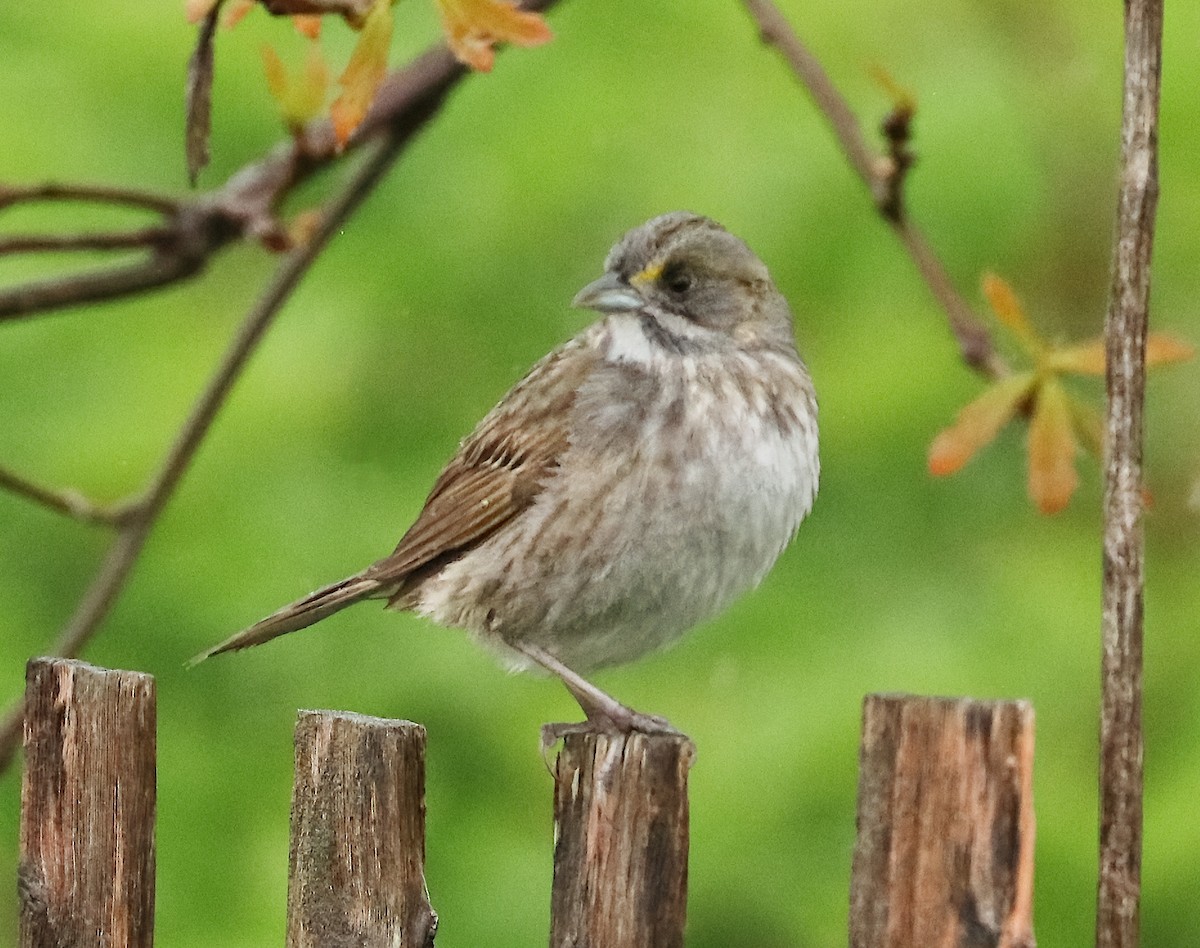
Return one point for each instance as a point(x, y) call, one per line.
point(686, 474)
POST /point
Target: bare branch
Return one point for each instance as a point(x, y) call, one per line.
point(11, 195)
point(181, 252)
point(65, 243)
point(776, 31)
point(123, 554)
point(407, 101)
point(70, 503)
point(245, 207)
point(1121, 742)
point(883, 175)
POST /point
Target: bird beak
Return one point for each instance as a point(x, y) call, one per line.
point(609, 294)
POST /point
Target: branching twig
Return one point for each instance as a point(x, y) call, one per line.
point(11, 195)
point(67, 502)
point(193, 230)
point(124, 551)
point(1121, 773)
point(409, 99)
point(882, 175)
point(64, 243)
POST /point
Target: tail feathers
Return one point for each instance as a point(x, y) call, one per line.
point(299, 615)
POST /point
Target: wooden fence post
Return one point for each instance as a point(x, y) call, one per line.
point(621, 841)
point(86, 874)
point(357, 861)
point(945, 824)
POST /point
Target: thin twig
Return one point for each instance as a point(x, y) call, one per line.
point(1121, 741)
point(95, 286)
point(11, 195)
point(70, 503)
point(122, 555)
point(245, 207)
point(105, 240)
point(882, 175)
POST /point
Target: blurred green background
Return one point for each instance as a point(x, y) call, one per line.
point(454, 279)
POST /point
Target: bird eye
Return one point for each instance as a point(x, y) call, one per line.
point(677, 279)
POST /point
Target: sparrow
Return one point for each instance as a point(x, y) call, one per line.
point(635, 482)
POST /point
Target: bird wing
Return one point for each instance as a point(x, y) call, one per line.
point(498, 470)
point(496, 474)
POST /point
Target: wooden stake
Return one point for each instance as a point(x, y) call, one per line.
point(945, 824)
point(357, 864)
point(621, 831)
point(1118, 894)
point(87, 807)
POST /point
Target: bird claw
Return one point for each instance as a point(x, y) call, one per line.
point(624, 721)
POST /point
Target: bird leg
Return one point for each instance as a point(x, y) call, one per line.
point(604, 712)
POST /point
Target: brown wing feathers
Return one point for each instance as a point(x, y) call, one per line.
point(496, 473)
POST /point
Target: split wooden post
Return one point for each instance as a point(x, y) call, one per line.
point(945, 824)
point(86, 874)
point(357, 861)
point(621, 841)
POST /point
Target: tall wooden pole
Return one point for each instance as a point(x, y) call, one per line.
point(1119, 887)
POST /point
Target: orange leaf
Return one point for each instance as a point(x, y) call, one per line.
point(303, 226)
point(1008, 310)
point(234, 13)
point(197, 10)
point(1087, 358)
point(977, 424)
point(1163, 348)
point(473, 27)
point(307, 25)
point(276, 72)
point(1052, 447)
point(364, 73)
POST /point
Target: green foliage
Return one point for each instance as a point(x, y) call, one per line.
point(455, 278)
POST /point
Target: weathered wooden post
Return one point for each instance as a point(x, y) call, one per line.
point(945, 824)
point(86, 875)
point(621, 841)
point(357, 862)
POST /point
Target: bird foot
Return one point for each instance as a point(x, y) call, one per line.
point(605, 714)
point(624, 721)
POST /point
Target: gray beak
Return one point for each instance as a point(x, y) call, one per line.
point(609, 294)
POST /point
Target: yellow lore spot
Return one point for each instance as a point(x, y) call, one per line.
point(648, 275)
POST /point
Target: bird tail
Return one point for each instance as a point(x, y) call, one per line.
point(299, 615)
